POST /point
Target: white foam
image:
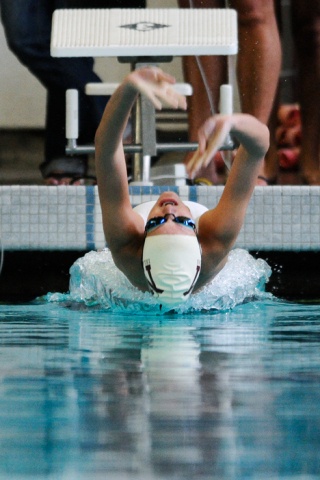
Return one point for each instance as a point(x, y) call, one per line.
point(95, 280)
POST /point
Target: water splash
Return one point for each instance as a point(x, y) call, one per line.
point(95, 281)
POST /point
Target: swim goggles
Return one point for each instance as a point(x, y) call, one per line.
point(156, 221)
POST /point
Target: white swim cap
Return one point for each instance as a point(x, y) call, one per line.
point(171, 264)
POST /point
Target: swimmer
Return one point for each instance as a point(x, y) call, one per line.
point(171, 250)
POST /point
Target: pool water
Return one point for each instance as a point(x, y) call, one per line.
point(90, 394)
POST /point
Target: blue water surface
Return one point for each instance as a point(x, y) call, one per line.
point(86, 393)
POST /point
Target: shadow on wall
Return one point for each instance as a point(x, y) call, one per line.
point(27, 275)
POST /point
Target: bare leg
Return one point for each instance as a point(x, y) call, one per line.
point(306, 35)
point(205, 74)
point(259, 57)
point(203, 103)
point(259, 62)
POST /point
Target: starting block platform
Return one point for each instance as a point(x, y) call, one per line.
point(141, 37)
point(143, 32)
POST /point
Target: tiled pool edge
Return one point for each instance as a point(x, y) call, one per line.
point(69, 218)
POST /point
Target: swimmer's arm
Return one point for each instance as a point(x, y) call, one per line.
point(111, 168)
point(119, 220)
point(223, 223)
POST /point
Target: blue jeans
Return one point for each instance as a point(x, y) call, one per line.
point(27, 25)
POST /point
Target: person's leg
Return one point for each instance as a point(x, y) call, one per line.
point(306, 36)
point(27, 25)
point(205, 74)
point(77, 73)
point(259, 63)
point(258, 67)
point(259, 57)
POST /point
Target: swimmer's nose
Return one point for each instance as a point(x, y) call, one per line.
point(170, 214)
point(168, 209)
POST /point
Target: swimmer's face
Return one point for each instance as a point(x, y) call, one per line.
point(170, 203)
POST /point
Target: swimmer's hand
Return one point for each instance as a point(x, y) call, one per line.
point(249, 132)
point(157, 86)
point(211, 136)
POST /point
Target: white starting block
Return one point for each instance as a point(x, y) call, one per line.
point(143, 32)
point(140, 37)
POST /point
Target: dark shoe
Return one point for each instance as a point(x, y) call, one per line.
point(63, 171)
